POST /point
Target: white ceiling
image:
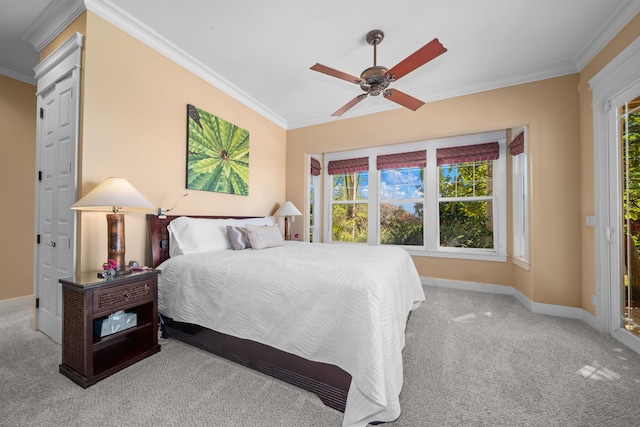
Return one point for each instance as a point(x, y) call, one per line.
point(260, 51)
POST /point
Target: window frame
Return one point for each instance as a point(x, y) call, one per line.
point(393, 201)
point(358, 201)
point(520, 202)
point(488, 199)
point(314, 193)
point(431, 246)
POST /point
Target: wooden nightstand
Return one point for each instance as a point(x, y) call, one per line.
point(88, 358)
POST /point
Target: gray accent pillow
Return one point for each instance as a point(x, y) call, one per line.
point(238, 238)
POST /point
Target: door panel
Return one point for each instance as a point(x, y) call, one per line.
point(56, 195)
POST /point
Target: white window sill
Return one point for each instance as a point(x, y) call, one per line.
point(477, 256)
point(520, 262)
point(459, 255)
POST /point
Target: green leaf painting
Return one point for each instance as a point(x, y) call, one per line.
point(217, 154)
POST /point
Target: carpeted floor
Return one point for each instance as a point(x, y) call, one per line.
point(472, 359)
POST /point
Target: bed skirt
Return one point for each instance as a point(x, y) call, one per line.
point(328, 382)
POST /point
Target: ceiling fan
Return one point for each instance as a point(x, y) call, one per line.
point(375, 80)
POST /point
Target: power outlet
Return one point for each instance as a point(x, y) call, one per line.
point(591, 220)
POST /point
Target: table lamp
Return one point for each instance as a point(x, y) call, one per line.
point(287, 210)
point(114, 195)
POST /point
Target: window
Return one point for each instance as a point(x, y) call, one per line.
point(401, 207)
point(520, 185)
point(465, 204)
point(441, 197)
point(314, 183)
point(349, 199)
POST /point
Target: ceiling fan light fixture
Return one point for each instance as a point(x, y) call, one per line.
point(377, 72)
point(375, 80)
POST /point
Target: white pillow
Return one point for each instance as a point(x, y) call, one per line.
point(265, 236)
point(192, 235)
point(265, 220)
point(174, 247)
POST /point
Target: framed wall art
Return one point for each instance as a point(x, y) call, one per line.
point(217, 154)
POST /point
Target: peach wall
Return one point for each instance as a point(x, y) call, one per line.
point(550, 109)
point(630, 33)
point(17, 186)
point(134, 126)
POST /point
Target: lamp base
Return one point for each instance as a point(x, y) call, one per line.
point(115, 239)
point(287, 231)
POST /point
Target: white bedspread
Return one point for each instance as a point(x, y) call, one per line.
point(337, 304)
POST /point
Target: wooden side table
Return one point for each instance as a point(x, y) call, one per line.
point(88, 358)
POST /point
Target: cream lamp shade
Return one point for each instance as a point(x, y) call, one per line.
point(114, 195)
point(287, 210)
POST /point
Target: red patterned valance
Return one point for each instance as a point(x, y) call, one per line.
point(468, 153)
point(413, 159)
point(336, 167)
point(315, 167)
point(517, 145)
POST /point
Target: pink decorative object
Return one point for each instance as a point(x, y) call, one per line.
point(109, 269)
point(109, 265)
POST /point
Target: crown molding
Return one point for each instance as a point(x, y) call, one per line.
point(609, 30)
point(17, 74)
point(506, 80)
point(116, 16)
point(55, 18)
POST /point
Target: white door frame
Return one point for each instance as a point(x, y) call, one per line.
point(617, 83)
point(64, 61)
point(312, 230)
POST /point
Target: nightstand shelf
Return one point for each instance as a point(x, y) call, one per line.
point(102, 342)
point(88, 358)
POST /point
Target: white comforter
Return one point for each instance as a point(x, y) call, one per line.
point(337, 304)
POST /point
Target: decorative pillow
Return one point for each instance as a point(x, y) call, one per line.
point(238, 238)
point(265, 220)
point(191, 235)
point(264, 237)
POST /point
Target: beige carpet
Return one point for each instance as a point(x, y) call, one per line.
point(472, 359)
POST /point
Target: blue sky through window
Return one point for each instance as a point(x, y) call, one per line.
point(399, 184)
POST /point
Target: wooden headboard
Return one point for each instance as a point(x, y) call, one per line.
point(159, 235)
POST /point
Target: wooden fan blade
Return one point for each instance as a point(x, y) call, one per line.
point(403, 99)
point(349, 104)
point(420, 57)
point(335, 73)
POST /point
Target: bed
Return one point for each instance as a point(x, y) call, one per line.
point(329, 319)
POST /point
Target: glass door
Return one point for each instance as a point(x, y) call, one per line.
point(629, 131)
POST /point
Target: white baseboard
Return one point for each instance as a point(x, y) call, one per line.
point(534, 307)
point(626, 339)
point(9, 304)
point(467, 286)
